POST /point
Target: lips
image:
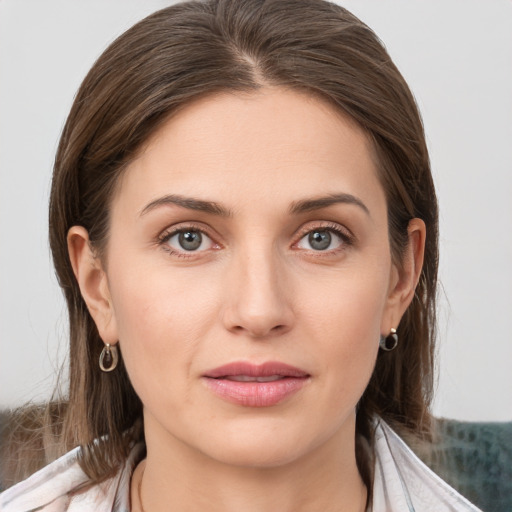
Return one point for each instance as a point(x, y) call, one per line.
point(252, 385)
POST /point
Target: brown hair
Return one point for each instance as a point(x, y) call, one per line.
point(198, 48)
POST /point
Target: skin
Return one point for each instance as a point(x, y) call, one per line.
point(256, 290)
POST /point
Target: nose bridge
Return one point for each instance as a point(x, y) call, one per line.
point(260, 298)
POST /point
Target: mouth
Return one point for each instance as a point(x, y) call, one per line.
point(248, 378)
point(252, 385)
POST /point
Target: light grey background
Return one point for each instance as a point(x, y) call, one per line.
point(456, 56)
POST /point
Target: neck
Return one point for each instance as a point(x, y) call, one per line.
point(177, 477)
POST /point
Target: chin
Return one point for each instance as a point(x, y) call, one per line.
point(259, 444)
point(257, 454)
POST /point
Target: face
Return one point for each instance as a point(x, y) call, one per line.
point(249, 276)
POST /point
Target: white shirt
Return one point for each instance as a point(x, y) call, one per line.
point(402, 483)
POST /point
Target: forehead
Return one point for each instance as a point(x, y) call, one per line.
point(270, 142)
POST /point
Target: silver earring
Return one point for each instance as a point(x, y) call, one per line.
point(389, 342)
point(109, 358)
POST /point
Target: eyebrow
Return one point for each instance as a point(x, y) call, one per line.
point(307, 205)
point(189, 203)
point(302, 206)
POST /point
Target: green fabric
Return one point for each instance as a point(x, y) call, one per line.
point(476, 459)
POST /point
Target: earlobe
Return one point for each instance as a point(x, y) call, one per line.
point(406, 277)
point(93, 283)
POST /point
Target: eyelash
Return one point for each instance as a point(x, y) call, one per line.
point(344, 234)
point(168, 234)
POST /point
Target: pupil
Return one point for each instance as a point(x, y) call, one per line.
point(320, 240)
point(190, 240)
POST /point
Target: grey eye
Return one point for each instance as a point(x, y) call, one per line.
point(189, 240)
point(320, 240)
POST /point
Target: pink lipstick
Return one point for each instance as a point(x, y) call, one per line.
point(253, 385)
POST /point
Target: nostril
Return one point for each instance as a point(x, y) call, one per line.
point(260, 331)
point(257, 316)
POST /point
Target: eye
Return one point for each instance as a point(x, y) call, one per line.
point(187, 240)
point(323, 239)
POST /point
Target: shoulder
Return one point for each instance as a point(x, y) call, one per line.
point(404, 483)
point(63, 486)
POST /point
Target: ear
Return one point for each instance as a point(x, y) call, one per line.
point(404, 279)
point(93, 283)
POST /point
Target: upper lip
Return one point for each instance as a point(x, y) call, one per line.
point(266, 369)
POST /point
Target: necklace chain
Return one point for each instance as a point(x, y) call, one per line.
point(139, 490)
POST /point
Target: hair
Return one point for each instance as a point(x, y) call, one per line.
point(198, 48)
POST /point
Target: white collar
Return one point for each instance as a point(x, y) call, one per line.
point(403, 483)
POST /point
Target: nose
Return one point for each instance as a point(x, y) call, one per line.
point(259, 303)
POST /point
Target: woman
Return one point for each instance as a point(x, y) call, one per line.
point(244, 225)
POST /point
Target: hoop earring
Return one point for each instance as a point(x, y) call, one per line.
point(389, 342)
point(109, 358)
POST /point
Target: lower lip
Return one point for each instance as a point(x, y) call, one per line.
point(255, 394)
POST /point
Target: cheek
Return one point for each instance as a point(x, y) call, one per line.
point(349, 306)
point(161, 319)
point(344, 320)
